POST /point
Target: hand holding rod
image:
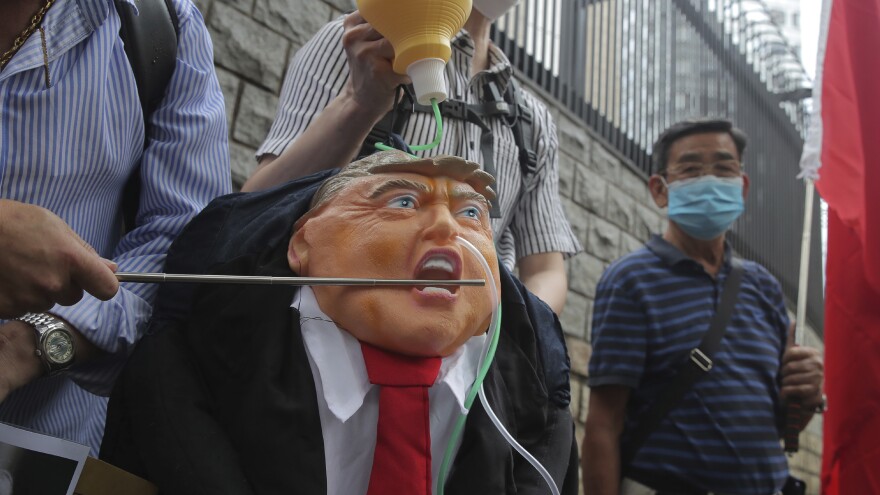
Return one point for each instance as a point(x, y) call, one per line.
point(158, 278)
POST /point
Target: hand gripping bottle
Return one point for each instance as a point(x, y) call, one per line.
point(420, 32)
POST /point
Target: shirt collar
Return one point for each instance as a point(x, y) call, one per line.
point(672, 256)
point(340, 364)
point(500, 70)
point(65, 24)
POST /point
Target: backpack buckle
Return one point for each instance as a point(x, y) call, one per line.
point(454, 108)
point(531, 160)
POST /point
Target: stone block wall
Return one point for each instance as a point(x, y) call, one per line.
point(253, 42)
point(606, 200)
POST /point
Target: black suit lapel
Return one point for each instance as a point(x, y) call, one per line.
point(515, 390)
point(484, 462)
point(262, 385)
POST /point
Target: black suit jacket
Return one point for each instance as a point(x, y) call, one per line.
point(219, 398)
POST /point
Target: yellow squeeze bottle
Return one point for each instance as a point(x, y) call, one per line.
point(420, 32)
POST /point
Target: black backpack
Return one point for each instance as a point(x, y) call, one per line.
point(150, 35)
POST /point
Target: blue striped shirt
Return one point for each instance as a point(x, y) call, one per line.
point(652, 307)
point(71, 146)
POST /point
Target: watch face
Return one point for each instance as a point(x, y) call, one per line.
point(59, 346)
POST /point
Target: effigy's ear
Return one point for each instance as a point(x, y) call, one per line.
point(298, 251)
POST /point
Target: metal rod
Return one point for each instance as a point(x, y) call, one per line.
point(157, 278)
point(805, 265)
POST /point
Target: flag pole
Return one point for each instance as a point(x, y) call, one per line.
point(794, 413)
point(805, 264)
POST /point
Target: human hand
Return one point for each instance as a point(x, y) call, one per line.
point(372, 81)
point(803, 372)
point(43, 262)
point(19, 365)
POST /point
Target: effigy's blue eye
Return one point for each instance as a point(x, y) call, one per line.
point(403, 202)
point(471, 212)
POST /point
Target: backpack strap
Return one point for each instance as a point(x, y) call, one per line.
point(523, 129)
point(388, 130)
point(150, 35)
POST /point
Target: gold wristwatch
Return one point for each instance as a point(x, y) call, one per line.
point(55, 344)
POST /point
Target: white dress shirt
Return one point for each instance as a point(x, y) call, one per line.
point(349, 404)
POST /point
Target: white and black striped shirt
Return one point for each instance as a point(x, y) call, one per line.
point(532, 220)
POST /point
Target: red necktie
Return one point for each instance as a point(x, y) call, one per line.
point(402, 462)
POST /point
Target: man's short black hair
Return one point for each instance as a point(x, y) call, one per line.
point(689, 127)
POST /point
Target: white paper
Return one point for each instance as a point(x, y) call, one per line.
point(44, 464)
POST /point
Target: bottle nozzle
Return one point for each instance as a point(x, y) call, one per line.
point(427, 79)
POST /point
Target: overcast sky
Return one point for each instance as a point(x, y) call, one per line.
point(810, 13)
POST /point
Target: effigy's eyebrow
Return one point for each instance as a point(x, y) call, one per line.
point(399, 184)
point(465, 195)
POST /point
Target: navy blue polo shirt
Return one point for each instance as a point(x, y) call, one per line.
point(652, 307)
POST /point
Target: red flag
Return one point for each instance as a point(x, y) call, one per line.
point(850, 106)
point(851, 454)
point(850, 182)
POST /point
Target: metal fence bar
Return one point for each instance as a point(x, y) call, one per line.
point(630, 68)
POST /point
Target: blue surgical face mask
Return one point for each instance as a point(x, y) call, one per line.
point(705, 207)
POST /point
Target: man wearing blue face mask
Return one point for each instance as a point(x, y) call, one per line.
point(681, 403)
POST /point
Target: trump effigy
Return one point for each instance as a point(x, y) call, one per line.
point(342, 389)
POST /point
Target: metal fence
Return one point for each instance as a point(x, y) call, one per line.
point(630, 68)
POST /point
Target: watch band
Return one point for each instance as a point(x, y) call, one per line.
point(45, 324)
